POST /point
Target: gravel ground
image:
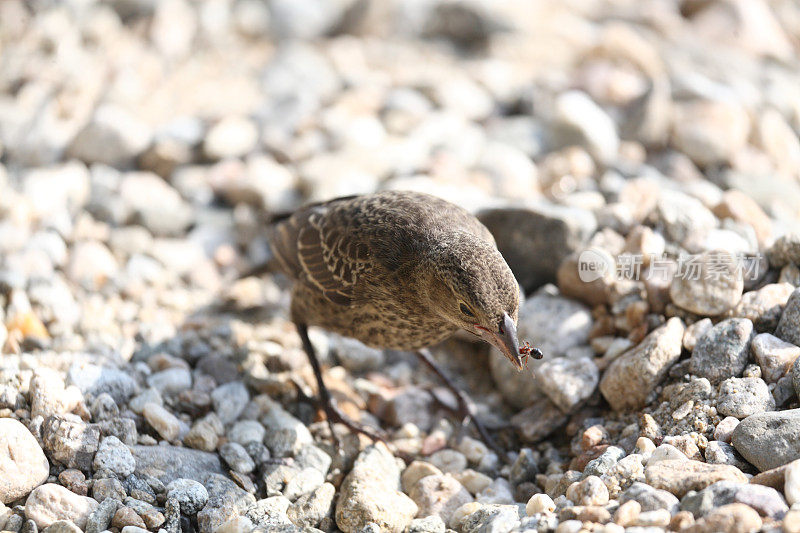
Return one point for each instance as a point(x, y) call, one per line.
point(638, 163)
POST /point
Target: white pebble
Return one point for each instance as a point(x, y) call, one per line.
point(540, 503)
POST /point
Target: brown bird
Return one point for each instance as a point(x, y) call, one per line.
point(398, 270)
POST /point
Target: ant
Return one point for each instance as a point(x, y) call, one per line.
point(527, 351)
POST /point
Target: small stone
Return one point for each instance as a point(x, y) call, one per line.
point(774, 356)
point(723, 351)
point(491, 518)
point(304, 482)
point(769, 440)
point(731, 517)
point(473, 449)
point(578, 120)
point(525, 467)
point(785, 250)
point(170, 381)
point(50, 502)
point(709, 294)
point(540, 503)
point(190, 495)
point(666, 452)
point(204, 435)
point(245, 431)
point(650, 498)
point(724, 430)
point(766, 500)
point(114, 136)
point(164, 422)
point(370, 493)
point(568, 382)
point(538, 421)
point(631, 377)
point(114, 456)
point(229, 400)
point(792, 483)
point(589, 491)
point(237, 457)
point(225, 500)
point(473, 481)
point(101, 517)
point(23, 465)
point(429, 524)
point(789, 324)
point(721, 453)
point(310, 510)
point(679, 477)
point(74, 480)
point(231, 137)
point(94, 380)
point(627, 513)
point(125, 516)
point(695, 331)
point(108, 488)
point(269, 512)
point(151, 516)
point(439, 495)
point(70, 441)
point(763, 307)
point(62, 526)
point(499, 492)
point(742, 397)
point(168, 463)
point(448, 461)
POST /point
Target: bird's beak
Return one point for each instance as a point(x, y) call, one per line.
point(504, 339)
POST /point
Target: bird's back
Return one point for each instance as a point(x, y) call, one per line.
point(334, 246)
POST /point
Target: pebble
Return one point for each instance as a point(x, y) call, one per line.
point(225, 501)
point(774, 356)
point(170, 381)
point(190, 495)
point(679, 477)
point(369, 493)
point(768, 440)
point(589, 491)
point(785, 250)
point(237, 457)
point(126, 517)
point(439, 495)
point(168, 463)
point(708, 294)
point(100, 519)
point(245, 431)
point(650, 498)
point(50, 502)
point(415, 471)
point(230, 400)
point(568, 382)
point(304, 482)
point(114, 456)
point(666, 452)
point(789, 325)
point(108, 488)
point(448, 461)
point(723, 351)
point(766, 500)
point(231, 137)
point(763, 307)
point(742, 397)
point(731, 517)
point(70, 441)
point(23, 465)
point(165, 423)
point(631, 377)
point(314, 508)
point(791, 486)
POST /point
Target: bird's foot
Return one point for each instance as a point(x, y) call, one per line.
point(335, 416)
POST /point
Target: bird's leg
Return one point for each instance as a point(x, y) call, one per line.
point(332, 413)
point(465, 408)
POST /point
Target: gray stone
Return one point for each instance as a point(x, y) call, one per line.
point(114, 456)
point(568, 382)
point(225, 501)
point(439, 495)
point(171, 380)
point(229, 400)
point(237, 458)
point(114, 136)
point(710, 286)
point(70, 441)
point(535, 241)
point(796, 376)
point(763, 307)
point(554, 324)
point(785, 250)
point(580, 121)
point(766, 500)
point(650, 498)
point(742, 397)
point(168, 463)
point(94, 380)
point(723, 351)
point(429, 524)
point(370, 493)
point(269, 513)
point(722, 453)
point(100, 519)
point(50, 502)
point(191, 495)
point(525, 467)
point(23, 465)
point(285, 434)
point(630, 378)
point(311, 510)
point(304, 482)
point(769, 440)
point(492, 518)
point(603, 464)
point(789, 324)
point(774, 356)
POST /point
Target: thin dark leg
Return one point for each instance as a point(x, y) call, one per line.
point(465, 408)
point(332, 413)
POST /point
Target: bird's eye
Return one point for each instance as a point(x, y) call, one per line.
point(467, 311)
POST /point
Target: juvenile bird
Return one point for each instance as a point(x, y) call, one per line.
point(398, 270)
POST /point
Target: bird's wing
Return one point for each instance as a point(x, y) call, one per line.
point(315, 248)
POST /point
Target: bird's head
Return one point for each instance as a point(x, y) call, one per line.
point(474, 289)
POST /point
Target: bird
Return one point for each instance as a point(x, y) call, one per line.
point(396, 270)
